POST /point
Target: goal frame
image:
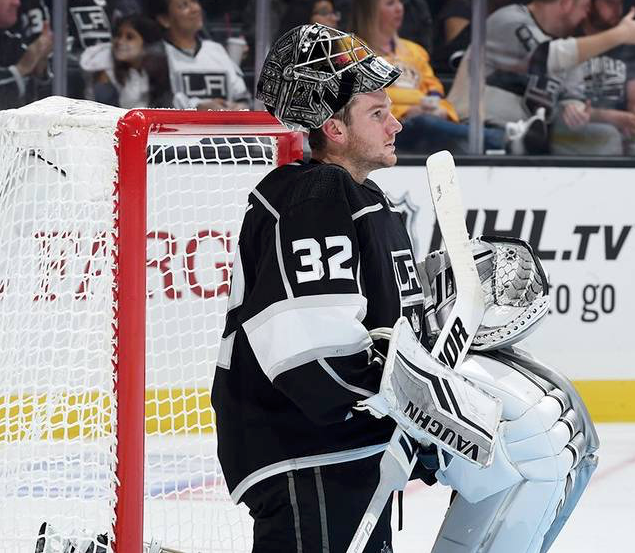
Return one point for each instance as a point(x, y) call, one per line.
point(133, 132)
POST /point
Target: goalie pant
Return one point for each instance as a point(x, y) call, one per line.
point(321, 260)
point(542, 463)
point(317, 509)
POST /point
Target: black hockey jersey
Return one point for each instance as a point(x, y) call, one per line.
point(321, 260)
point(88, 22)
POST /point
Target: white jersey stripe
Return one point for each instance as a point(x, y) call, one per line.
point(295, 331)
point(303, 463)
point(267, 205)
point(237, 293)
point(355, 389)
point(225, 351)
point(364, 211)
point(283, 273)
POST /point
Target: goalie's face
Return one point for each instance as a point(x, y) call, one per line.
point(370, 134)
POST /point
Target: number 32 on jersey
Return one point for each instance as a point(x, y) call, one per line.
point(311, 261)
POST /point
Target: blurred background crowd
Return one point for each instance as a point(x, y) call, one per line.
point(559, 74)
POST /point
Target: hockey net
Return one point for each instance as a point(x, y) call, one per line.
point(117, 232)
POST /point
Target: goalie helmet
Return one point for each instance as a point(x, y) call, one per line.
point(312, 72)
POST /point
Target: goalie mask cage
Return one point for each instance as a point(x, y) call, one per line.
point(117, 232)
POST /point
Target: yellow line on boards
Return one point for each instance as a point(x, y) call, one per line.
point(608, 400)
point(68, 415)
point(90, 414)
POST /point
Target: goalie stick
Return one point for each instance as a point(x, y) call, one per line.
point(399, 459)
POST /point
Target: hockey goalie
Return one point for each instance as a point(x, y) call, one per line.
point(513, 437)
point(306, 393)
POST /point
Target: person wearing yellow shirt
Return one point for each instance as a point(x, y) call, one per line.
point(430, 122)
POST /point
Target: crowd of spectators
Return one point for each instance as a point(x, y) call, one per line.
point(560, 74)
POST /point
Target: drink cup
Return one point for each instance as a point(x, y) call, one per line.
point(430, 102)
point(236, 47)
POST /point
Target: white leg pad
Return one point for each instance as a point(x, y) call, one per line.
point(512, 504)
point(537, 419)
point(475, 483)
point(513, 520)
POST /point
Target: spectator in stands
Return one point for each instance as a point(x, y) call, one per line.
point(452, 36)
point(20, 65)
point(530, 64)
point(132, 72)
point(303, 12)
point(609, 79)
point(202, 74)
point(323, 12)
point(429, 121)
point(453, 33)
point(418, 25)
point(31, 16)
point(88, 24)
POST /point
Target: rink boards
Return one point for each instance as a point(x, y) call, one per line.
point(579, 220)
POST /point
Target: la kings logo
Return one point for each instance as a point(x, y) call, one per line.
point(205, 85)
point(410, 289)
point(91, 22)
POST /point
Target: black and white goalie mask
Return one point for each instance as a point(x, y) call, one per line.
point(312, 71)
point(515, 288)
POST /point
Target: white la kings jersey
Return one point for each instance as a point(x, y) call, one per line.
point(321, 260)
point(522, 59)
point(205, 74)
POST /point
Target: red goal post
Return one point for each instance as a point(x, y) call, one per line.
point(61, 258)
point(133, 130)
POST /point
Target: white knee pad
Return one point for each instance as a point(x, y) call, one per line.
point(512, 504)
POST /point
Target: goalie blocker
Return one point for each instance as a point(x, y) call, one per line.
point(432, 403)
point(517, 487)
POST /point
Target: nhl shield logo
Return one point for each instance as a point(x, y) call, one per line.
point(409, 210)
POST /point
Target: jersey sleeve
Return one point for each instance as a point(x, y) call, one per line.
point(311, 343)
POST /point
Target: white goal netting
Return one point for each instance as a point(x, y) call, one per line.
point(59, 313)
